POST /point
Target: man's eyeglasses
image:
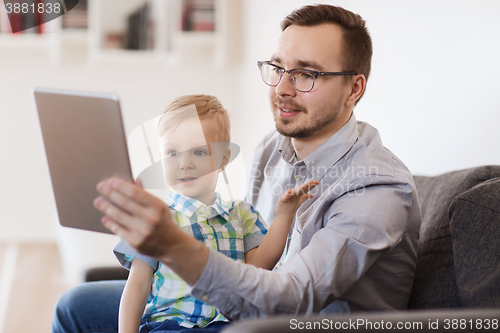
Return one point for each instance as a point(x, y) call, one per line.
point(302, 79)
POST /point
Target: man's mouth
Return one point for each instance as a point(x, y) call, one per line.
point(287, 111)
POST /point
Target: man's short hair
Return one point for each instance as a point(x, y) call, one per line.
point(207, 107)
point(357, 53)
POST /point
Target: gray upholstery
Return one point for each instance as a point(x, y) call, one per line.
point(435, 284)
point(458, 261)
point(475, 231)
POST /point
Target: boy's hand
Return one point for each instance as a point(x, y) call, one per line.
point(291, 200)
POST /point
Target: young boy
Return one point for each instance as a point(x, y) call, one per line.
point(194, 135)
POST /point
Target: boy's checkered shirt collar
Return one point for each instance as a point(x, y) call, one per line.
point(189, 206)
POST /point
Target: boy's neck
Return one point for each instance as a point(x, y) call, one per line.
point(206, 200)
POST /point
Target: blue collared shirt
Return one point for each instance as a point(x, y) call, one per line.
point(352, 247)
point(230, 228)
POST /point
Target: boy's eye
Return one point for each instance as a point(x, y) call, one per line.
point(172, 153)
point(199, 152)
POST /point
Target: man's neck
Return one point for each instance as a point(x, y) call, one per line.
point(306, 146)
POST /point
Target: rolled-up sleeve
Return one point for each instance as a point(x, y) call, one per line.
point(125, 253)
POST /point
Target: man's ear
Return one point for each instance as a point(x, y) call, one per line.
point(357, 88)
point(225, 160)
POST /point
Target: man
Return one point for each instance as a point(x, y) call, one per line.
point(353, 246)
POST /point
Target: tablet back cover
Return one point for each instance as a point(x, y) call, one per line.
point(84, 142)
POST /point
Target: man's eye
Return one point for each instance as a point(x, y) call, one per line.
point(274, 69)
point(200, 152)
point(172, 153)
point(305, 75)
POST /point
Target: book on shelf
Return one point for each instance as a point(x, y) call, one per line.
point(198, 15)
point(4, 21)
point(23, 23)
point(76, 18)
point(140, 29)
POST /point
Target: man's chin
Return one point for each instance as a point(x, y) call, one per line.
point(297, 133)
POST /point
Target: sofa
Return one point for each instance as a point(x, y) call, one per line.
point(458, 259)
point(457, 278)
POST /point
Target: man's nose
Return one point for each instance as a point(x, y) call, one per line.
point(285, 86)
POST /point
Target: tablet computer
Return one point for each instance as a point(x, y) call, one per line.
point(85, 142)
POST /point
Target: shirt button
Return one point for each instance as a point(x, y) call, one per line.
point(297, 177)
point(210, 237)
point(205, 298)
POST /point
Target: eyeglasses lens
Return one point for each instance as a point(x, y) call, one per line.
point(270, 74)
point(301, 80)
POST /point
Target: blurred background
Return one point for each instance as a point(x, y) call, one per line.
point(432, 94)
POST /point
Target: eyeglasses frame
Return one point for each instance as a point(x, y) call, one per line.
point(314, 74)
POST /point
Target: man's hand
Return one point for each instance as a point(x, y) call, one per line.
point(145, 222)
point(291, 200)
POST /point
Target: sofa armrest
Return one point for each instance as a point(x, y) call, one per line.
point(475, 230)
point(106, 273)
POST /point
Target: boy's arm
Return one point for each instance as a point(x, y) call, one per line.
point(269, 251)
point(135, 296)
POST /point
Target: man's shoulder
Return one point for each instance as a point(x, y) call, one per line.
point(372, 156)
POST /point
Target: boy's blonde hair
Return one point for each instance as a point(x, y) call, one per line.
point(207, 107)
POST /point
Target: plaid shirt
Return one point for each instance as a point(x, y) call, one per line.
point(230, 228)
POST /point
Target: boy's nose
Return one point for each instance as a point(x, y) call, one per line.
point(186, 161)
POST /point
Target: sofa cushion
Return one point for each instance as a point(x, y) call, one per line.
point(435, 281)
point(475, 231)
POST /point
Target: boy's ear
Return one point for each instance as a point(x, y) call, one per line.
point(225, 160)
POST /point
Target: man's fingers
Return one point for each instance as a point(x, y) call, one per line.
point(124, 202)
point(112, 226)
point(138, 211)
point(117, 214)
point(128, 190)
point(116, 228)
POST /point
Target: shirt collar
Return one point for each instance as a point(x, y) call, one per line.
point(189, 206)
point(326, 155)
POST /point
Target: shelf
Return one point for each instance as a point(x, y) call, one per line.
point(112, 56)
point(166, 41)
point(25, 40)
point(197, 37)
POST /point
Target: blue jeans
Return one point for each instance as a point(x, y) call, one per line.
point(171, 326)
point(92, 307)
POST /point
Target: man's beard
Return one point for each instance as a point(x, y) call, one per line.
point(324, 118)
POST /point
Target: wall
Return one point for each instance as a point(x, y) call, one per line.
point(143, 91)
point(435, 77)
point(432, 95)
